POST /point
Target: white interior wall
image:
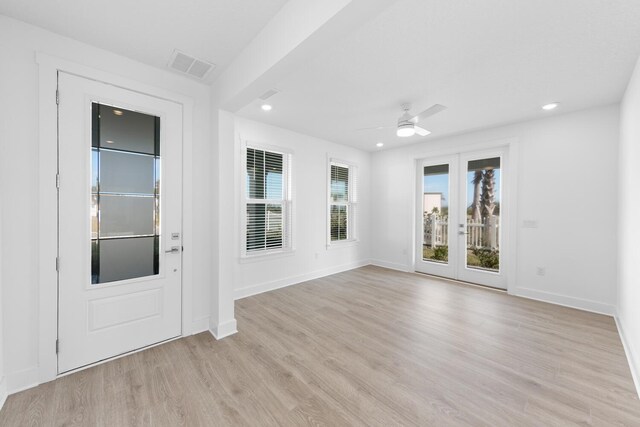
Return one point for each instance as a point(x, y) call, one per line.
point(577, 152)
point(566, 182)
point(3, 382)
point(222, 321)
point(311, 257)
point(19, 179)
point(628, 224)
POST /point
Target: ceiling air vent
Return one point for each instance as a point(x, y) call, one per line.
point(268, 94)
point(189, 65)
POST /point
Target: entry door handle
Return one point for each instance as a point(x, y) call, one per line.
point(173, 250)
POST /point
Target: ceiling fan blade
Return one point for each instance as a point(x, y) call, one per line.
point(434, 109)
point(373, 128)
point(420, 131)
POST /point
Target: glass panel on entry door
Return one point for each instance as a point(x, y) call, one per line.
point(125, 194)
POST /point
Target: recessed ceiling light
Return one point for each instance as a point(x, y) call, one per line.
point(117, 112)
point(109, 142)
point(379, 144)
point(266, 107)
point(551, 106)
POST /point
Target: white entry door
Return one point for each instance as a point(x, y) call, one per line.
point(461, 217)
point(120, 216)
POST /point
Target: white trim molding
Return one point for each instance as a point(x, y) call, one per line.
point(629, 352)
point(47, 219)
point(199, 325)
point(3, 391)
point(294, 280)
point(405, 268)
point(565, 300)
point(22, 380)
point(224, 329)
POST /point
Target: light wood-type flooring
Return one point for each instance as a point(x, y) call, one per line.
point(367, 347)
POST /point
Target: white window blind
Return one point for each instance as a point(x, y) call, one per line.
point(267, 204)
point(342, 202)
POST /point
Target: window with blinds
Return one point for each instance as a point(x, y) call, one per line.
point(267, 205)
point(342, 202)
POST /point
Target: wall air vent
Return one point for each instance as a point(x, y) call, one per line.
point(187, 64)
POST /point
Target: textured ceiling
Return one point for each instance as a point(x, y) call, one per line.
point(149, 30)
point(490, 62)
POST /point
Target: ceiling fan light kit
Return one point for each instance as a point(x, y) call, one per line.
point(407, 123)
point(405, 129)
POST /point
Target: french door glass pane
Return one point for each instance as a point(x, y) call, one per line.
point(435, 210)
point(125, 194)
point(483, 214)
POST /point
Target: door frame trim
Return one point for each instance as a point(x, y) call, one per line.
point(509, 190)
point(48, 67)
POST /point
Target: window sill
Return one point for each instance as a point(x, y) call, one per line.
point(257, 257)
point(343, 244)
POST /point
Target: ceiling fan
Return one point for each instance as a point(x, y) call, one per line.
point(407, 123)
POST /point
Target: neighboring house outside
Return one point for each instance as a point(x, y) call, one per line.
point(431, 201)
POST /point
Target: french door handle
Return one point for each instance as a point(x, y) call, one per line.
point(173, 250)
point(462, 233)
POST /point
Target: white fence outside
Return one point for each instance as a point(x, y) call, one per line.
point(482, 234)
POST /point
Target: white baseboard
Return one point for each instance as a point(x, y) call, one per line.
point(3, 391)
point(293, 280)
point(630, 353)
point(392, 265)
point(200, 325)
point(224, 329)
point(22, 380)
point(566, 301)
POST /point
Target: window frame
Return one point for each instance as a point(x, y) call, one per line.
point(286, 202)
point(351, 203)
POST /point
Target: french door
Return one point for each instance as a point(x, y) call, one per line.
point(120, 216)
point(461, 217)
